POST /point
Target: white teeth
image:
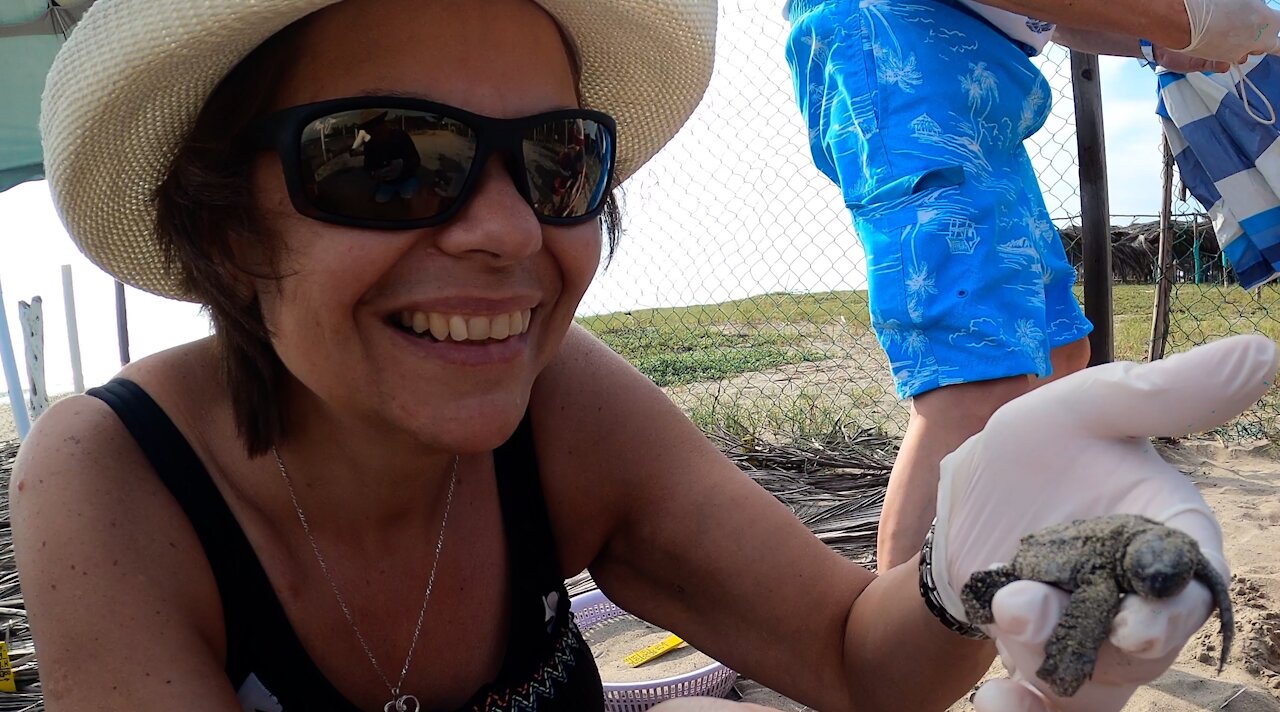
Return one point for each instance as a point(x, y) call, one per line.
point(500, 328)
point(439, 327)
point(457, 327)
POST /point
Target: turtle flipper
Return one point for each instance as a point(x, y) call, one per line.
point(1209, 576)
point(1072, 649)
point(980, 590)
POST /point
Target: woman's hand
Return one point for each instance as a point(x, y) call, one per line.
point(1074, 449)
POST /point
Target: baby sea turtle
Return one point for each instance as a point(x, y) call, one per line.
point(1096, 561)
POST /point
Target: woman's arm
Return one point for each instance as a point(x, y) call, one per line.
point(1121, 45)
point(125, 612)
point(1116, 44)
point(1163, 22)
point(689, 542)
point(1221, 30)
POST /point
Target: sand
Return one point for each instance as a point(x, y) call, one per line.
point(8, 430)
point(622, 636)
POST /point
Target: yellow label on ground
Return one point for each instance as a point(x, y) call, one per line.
point(7, 681)
point(644, 655)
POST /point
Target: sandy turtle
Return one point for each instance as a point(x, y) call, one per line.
point(1098, 560)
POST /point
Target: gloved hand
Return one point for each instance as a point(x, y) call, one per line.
point(1231, 30)
point(1078, 448)
point(1183, 63)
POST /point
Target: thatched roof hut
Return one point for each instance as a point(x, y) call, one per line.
point(1135, 251)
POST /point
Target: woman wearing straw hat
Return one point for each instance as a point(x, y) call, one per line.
point(365, 491)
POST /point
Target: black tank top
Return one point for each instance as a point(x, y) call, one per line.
point(547, 665)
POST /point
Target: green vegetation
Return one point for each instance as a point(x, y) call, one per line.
point(823, 371)
point(674, 354)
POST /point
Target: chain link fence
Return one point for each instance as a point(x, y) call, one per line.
point(1205, 304)
point(739, 286)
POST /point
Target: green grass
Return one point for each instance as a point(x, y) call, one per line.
point(675, 353)
point(711, 343)
point(790, 418)
point(791, 309)
point(1197, 314)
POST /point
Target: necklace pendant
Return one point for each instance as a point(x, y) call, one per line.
point(403, 703)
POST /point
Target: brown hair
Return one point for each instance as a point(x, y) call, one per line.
point(206, 204)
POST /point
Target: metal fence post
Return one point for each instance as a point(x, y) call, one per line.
point(17, 404)
point(73, 330)
point(122, 324)
point(1164, 262)
point(1095, 208)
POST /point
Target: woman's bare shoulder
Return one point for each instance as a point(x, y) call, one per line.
point(107, 554)
point(607, 438)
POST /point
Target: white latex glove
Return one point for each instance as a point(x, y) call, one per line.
point(1230, 30)
point(1074, 449)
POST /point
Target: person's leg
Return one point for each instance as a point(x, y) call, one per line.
point(941, 420)
point(957, 300)
point(957, 296)
point(1066, 360)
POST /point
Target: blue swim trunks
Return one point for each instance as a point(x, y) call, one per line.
point(918, 109)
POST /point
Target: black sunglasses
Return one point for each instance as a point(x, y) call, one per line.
point(394, 163)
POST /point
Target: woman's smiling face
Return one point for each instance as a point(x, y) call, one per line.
point(338, 316)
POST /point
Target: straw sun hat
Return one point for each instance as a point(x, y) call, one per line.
point(128, 84)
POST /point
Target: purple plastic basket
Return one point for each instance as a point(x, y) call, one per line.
point(593, 609)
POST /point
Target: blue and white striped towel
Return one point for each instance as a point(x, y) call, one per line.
point(1229, 158)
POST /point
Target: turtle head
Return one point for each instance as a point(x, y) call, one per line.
point(1159, 562)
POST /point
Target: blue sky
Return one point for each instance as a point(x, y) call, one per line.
point(733, 207)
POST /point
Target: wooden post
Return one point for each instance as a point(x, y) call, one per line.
point(16, 403)
point(1164, 269)
point(32, 318)
point(122, 324)
point(1095, 208)
point(73, 331)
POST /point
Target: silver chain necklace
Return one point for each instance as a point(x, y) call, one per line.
point(399, 702)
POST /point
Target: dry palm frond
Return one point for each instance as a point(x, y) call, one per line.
point(13, 612)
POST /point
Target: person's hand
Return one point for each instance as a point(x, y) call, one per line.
point(1074, 449)
point(1183, 63)
point(1232, 30)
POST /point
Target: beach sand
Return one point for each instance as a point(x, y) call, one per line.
point(8, 430)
